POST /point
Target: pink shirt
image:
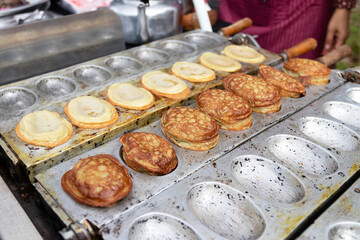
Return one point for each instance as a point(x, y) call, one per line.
point(281, 24)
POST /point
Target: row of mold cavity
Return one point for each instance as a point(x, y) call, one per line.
point(187, 44)
point(227, 212)
point(19, 98)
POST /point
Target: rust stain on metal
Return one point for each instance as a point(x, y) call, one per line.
point(290, 223)
point(354, 169)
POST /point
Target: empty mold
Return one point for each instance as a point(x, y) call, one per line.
point(56, 85)
point(16, 99)
point(329, 133)
point(225, 211)
point(345, 231)
point(267, 179)
point(160, 226)
point(123, 65)
point(345, 112)
point(91, 74)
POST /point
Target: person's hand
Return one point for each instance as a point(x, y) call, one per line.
point(338, 30)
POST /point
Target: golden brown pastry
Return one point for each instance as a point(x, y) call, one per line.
point(298, 67)
point(129, 96)
point(243, 53)
point(289, 87)
point(219, 62)
point(44, 128)
point(229, 110)
point(98, 181)
point(190, 128)
point(165, 85)
point(192, 72)
point(263, 97)
point(90, 112)
point(149, 153)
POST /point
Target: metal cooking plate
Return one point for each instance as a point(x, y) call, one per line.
point(329, 133)
point(14, 55)
point(345, 112)
point(152, 56)
point(177, 47)
point(267, 179)
point(16, 99)
point(124, 65)
point(160, 226)
point(56, 85)
point(302, 154)
point(92, 74)
point(225, 211)
point(345, 231)
point(201, 39)
point(354, 94)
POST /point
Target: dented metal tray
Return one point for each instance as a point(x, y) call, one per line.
point(340, 221)
point(53, 90)
point(167, 194)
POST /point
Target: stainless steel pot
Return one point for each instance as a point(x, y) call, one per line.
point(145, 21)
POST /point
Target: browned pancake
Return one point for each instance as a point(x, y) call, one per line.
point(289, 87)
point(299, 67)
point(231, 111)
point(190, 128)
point(149, 153)
point(262, 96)
point(98, 181)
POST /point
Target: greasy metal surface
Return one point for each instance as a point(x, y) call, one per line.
point(93, 78)
point(56, 85)
point(344, 112)
point(161, 226)
point(146, 187)
point(340, 221)
point(354, 94)
point(16, 98)
point(217, 202)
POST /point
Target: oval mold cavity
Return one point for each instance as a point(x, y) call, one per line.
point(267, 179)
point(124, 65)
point(16, 99)
point(302, 154)
point(92, 74)
point(354, 94)
point(56, 85)
point(201, 39)
point(160, 226)
point(345, 112)
point(177, 47)
point(225, 211)
point(345, 230)
point(152, 55)
point(329, 133)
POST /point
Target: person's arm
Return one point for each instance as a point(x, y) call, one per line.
point(338, 27)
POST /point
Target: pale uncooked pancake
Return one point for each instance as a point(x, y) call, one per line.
point(219, 62)
point(192, 72)
point(165, 85)
point(90, 112)
point(44, 128)
point(129, 96)
point(243, 53)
